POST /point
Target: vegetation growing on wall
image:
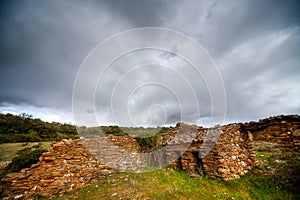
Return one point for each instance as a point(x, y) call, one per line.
point(148, 142)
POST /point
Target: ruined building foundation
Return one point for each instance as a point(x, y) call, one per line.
point(221, 152)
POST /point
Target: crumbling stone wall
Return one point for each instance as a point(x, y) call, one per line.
point(221, 152)
point(66, 166)
point(72, 164)
point(283, 130)
point(230, 154)
point(118, 152)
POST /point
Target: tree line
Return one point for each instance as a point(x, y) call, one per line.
point(24, 128)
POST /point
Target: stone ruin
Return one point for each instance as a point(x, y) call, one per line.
point(283, 130)
point(221, 152)
point(66, 166)
point(118, 152)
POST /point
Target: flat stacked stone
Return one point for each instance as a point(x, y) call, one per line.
point(66, 166)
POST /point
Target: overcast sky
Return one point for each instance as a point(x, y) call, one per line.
point(255, 46)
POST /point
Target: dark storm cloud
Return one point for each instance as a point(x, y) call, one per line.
point(255, 45)
point(42, 45)
point(141, 13)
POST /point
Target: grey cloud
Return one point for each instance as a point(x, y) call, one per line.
point(141, 13)
point(233, 22)
point(44, 43)
point(255, 45)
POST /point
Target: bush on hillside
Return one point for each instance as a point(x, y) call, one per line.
point(26, 129)
point(26, 157)
point(113, 130)
point(148, 143)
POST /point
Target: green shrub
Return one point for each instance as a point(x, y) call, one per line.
point(148, 143)
point(26, 129)
point(4, 139)
point(113, 130)
point(26, 157)
point(287, 172)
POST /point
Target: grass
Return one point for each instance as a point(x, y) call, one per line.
point(8, 150)
point(171, 184)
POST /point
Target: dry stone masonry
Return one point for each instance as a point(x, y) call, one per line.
point(220, 152)
point(283, 130)
point(66, 166)
point(118, 152)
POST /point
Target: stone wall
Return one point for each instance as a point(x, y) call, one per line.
point(72, 164)
point(232, 155)
point(226, 152)
point(118, 152)
point(283, 130)
point(221, 152)
point(66, 166)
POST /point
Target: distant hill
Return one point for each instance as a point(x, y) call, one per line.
point(24, 128)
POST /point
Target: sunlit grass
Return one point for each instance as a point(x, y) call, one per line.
point(171, 184)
